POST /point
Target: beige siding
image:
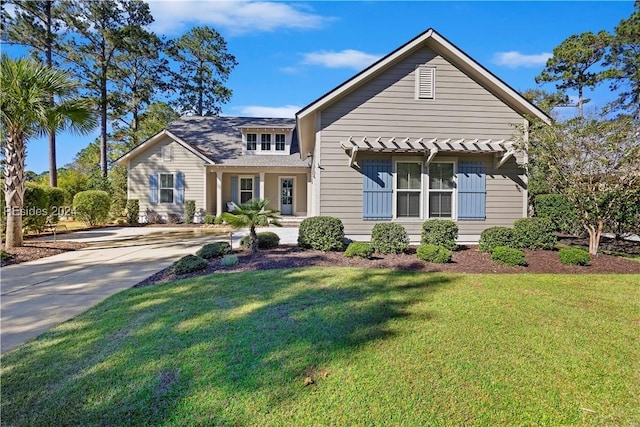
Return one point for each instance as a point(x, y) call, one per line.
point(386, 107)
point(150, 161)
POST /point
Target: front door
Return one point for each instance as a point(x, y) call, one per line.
point(286, 196)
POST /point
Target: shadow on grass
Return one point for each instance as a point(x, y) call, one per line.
point(217, 349)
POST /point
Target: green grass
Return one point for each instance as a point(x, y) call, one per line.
point(393, 348)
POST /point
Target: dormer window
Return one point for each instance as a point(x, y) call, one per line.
point(280, 144)
point(265, 144)
point(252, 142)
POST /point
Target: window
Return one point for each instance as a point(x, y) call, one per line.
point(265, 142)
point(408, 189)
point(441, 188)
point(252, 142)
point(166, 153)
point(166, 188)
point(425, 82)
point(246, 189)
point(280, 142)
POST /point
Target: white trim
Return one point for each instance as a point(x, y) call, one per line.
point(525, 176)
point(129, 179)
point(240, 178)
point(160, 188)
point(418, 75)
point(394, 208)
point(454, 190)
point(316, 167)
point(293, 193)
point(155, 139)
point(219, 208)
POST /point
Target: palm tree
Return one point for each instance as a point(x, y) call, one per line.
point(252, 214)
point(26, 88)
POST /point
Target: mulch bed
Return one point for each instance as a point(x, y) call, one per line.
point(33, 250)
point(465, 260)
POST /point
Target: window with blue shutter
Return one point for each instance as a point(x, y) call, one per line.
point(179, 188)
point(472, 191)
point(235, 191)
point(377, 190)
point(153, 189)
point(256, 187)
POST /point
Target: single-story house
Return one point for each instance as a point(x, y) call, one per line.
point(425, 132)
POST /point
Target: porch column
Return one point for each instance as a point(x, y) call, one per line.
point(262, 196)
point(218, 193)
point(309, 195)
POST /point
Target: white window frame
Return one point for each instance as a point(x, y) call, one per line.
point(454, 190)
point(396, 191)
point(172, 188)
point(254, 142)
point(284, 141)
point(167, 153)
point(263, 142)
point(240, 190)
point(418, 94)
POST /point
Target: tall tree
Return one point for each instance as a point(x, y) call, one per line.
point(97, 30)
point(36, 24)
point(624, 61)
point(546, 101)
point(205, 66)
point(572, 62)
point(26, 87)
point(594, 162)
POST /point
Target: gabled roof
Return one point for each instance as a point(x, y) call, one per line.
point(218, 140)
point(306, 117)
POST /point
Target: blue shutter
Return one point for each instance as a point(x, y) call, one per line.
point(377, 190)
point(179, 187)
point(472, 193)
point(235, 192)
point(256, 187)
point(153, 189)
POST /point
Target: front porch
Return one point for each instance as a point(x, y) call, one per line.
point(288, 189)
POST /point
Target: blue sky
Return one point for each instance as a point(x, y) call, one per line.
point(290, 53)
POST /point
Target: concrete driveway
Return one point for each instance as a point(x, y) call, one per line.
point(39, 294)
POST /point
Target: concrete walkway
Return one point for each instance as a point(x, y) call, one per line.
point(38, 295)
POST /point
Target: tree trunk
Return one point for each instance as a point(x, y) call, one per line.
point(253, 239)
point(580, 114)
point(103, 130)
point(594, 238)
point(14, 179)
point(53, 167)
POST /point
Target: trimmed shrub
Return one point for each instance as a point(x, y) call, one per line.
point(218, 220)
point(266, 240)
point(189, 264)
point(229, 260)
point(174, 218)
point(322, 233)
point(574, 256)
point(92, 206)
point(433, 253)
point(189, 211)
point(55, 206)
point(508, 256)
point(534, 233)
point(389, 238)
point(214, 250)
point(5, 256)
point(209, 219)
point(133, 211)
point(493, 237)
point(440, 232)
point(35, 208)
point(360, 249)
point(559, 210)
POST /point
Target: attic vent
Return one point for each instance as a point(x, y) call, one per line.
point(425, 82)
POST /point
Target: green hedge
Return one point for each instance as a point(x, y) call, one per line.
point(189, 211)
point(323, 233)
point(189, 264)
point(508, 256)
point(534, 233)
point(92, 206)
point(209, 219)
point(440, 232)
point(266, 240)
point(389, 238)
point(359, 249)
point(574, 256)
point(493, 237)
point(133, 211)
point(433, 253)
point(214, 250)
point(35, 208)
point(559, 210)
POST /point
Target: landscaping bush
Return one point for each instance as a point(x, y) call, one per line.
point(266, 240)
point(440, 232)
point(209, 219)
point(433, 253)
point(133, 211)
point(55, 206)
point(508, 256)
point(323, 233)
point(92, 206)
point(189, 264)
point(173, 218)
point(35, 208)
point(389, 238)
point(5, 256)
point(218, 220)
point(574, 256)
point(493, 237)
point(534, 233)
point(229, 260)
point(360, 249)
point(214, 250)
point(559, 210)
point(189, 211)
point(153, 217)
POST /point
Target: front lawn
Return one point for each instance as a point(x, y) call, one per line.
point(340, 346)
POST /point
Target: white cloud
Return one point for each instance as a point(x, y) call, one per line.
point(348, 58)
point(286, 111)
point(235, 17)
point(515, 59)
